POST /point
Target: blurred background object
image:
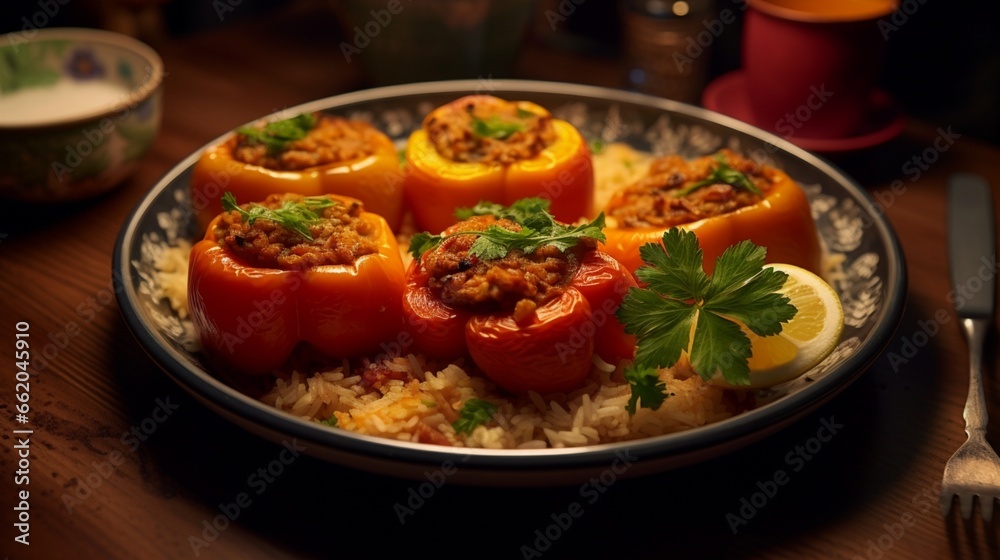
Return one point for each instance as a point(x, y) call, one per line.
point(78, 109)
point(942, 58)
point(400, 41)
point(811, 68)
point(668, 45)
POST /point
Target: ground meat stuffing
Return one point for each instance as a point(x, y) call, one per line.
point(511, 133)
point(518, 283)
point(652, 201)
point(340, 237)
point(332, 140)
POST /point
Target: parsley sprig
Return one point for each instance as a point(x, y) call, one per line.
point(538, 228)
point(648, 389)
point(722, 173)
point(279, 134)
point(293, 215)
point(678, 296)
point(474, 412)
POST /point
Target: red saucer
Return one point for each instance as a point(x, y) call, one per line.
point(885, 121)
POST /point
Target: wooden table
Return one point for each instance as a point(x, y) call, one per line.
point(123, 464)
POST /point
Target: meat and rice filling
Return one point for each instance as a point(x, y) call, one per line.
point(517, 282)
point(339, 238)
point(494, 132)
point(654, 200)
point(332, 140)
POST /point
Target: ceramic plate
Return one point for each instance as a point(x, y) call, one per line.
point(872, 289)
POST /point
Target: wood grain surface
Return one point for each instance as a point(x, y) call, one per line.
point(124, 464)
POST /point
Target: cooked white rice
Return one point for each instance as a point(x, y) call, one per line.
point(423, 407)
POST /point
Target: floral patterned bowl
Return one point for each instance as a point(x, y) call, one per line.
point(78, 108)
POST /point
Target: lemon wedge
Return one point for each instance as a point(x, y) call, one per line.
point(803, 342)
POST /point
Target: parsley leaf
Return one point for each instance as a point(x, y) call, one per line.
point(648, 390)
point(422, 242)
point(277, 135)
point(292, 215)
point(538, 228)
point(518, 212)
point(724, 174)
point(331, 421)
point(679, 301)
point(474, 413)
point(495, 127)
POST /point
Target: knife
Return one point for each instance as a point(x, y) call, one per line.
point(971, 245)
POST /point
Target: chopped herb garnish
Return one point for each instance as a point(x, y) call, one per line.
point(679, 295)
point(277, 135)
point(538, 229)
point(518, 212)
point(296, 216)
point(722, 173)
point(648, 389)
point(597, 146)
point(496, 127)
point(474, 413)
point(331, 421)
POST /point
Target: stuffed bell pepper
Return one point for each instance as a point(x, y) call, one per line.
point(531, 301)
point(317, 274)
point(480, 147)
point(724, 199)
point(311, 155)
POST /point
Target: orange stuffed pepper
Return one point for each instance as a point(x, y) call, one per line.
point(313, 273)
point(530, 320)
point(723, 199)
point(480, 147)
point(311, 155)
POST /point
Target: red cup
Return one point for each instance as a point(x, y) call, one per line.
point(811, 66)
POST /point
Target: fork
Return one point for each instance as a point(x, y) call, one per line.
point(974, 470)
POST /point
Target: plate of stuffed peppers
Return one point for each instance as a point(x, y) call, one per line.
point(532, 279)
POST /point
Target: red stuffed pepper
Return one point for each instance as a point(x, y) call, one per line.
point(480, 147)
point(723, 199)
point(313, 273)
point(531, 318)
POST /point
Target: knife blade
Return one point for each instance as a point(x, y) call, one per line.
point(972, 245)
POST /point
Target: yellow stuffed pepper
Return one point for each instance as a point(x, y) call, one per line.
point(480, 148)
point(724, 199)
